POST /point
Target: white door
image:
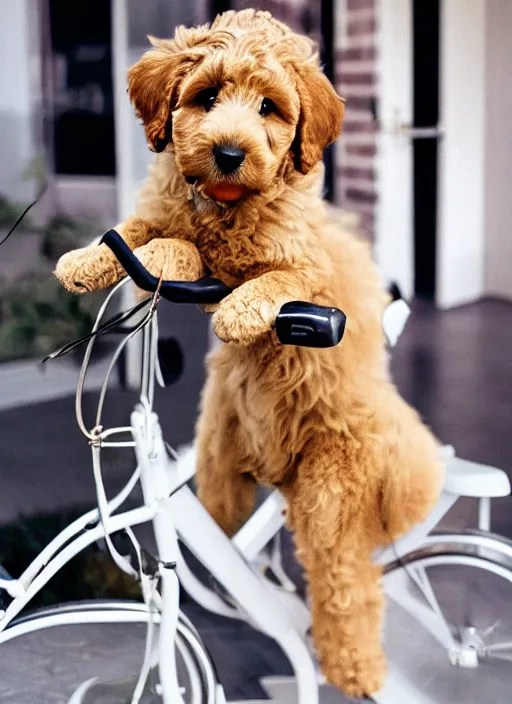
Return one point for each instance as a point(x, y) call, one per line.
point(394, 222)
point(461, 168)
point(461, 171)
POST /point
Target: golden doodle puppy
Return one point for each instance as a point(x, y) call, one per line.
point(239, 113)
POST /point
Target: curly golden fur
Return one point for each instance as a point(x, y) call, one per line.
point(327, 427)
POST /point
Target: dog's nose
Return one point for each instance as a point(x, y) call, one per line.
point(228, 158)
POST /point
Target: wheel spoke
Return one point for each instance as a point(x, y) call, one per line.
point(398, 589)
point(490, 630)
point(500, 656)
point(429, 615)
point(425, 586)
point(498, 647)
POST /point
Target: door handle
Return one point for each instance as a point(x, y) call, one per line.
point(406, 130)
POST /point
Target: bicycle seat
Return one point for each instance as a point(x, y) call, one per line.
point(466, 478)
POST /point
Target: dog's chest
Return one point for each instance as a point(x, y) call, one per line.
point(236, 257)
point(266, 405)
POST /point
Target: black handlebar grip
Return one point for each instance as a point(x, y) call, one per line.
point(207, 290)
point(309, 325)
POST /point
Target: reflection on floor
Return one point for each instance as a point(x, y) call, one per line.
point(453, 366)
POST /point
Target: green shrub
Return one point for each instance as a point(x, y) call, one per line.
point(37, 315)
point(10, 212)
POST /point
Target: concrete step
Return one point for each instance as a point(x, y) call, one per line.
point(27, 382)
point(283, 690)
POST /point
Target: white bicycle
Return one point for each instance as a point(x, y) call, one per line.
point(434, 646)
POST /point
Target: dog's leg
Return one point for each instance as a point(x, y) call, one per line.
point(347, 606)
point(413, 475)
point(333, 534)
point(95, 267)
point(251, 309)
point(225, 486)
point(227, 493)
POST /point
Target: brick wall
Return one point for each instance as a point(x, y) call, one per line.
point(355, 50)
point(300, 15)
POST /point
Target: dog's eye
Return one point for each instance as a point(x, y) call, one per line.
point(267, 106)
point(206, 98)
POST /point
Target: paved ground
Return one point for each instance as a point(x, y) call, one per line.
point(453, 366)
point(28, 383)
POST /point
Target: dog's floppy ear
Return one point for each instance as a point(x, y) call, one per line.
point(153, 84)
point(320, 120)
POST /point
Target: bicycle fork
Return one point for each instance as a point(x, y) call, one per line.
point(151, 458)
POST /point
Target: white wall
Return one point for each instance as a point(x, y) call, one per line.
point(461, 167)
point(16, 96)
point(498, 147)
point(131, 28)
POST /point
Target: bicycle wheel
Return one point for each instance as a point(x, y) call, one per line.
point(196, 674)
point(194, 678)
point(448, 630)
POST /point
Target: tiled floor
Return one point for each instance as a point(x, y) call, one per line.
point(454, 366)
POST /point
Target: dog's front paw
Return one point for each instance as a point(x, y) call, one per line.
point(88, 269)
point(172, 259)
point(242, 321)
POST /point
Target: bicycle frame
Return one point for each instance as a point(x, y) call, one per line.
point(177, 515)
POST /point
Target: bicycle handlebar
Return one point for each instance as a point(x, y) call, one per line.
point(298, 323)
point(206, 290)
